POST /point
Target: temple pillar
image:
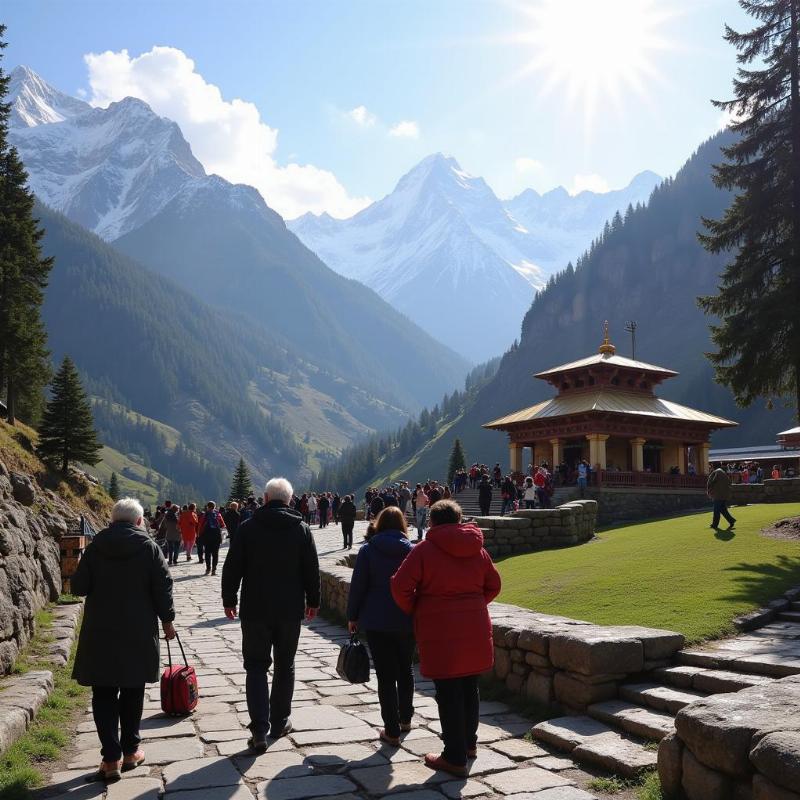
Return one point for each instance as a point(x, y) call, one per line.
point(702, 458)
point(556, 444)
point(682, 458)
point(597, 449)
point(637, 454)
point(515, 456)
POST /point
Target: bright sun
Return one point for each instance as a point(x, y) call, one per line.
point(594, 50)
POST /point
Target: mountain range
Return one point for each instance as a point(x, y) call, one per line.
point(461, 263)
point(192, 263)
point(647, 266)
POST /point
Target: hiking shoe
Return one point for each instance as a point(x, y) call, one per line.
point(276, 733)
point(132, 761)
point(208, 572)
point(258, 743)
point(432, 761)
point(213, 572)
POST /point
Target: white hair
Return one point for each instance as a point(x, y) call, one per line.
point(128, 509)
point(278, 489)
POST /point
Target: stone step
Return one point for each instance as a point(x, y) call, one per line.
point(795, 605)
point(632, 718)
point(662, 698)
point(592, 742)
point(789, 616)
point(711, 681)
point(769, 665)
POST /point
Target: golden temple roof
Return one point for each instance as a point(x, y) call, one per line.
point(613, 401)
point(611, 359)
point(790, 432)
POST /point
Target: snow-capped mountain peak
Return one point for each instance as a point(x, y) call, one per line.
point(35, 102)
point(110, 169)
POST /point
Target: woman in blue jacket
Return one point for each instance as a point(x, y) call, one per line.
point(389, 631)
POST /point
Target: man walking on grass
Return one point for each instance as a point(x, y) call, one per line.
point(718, 489)
point(274, 559)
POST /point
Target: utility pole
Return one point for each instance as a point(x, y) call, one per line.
point(631, 328)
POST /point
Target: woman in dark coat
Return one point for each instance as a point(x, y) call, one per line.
point(447, 583)
point(128, 589)
point(370, 608)
point(347, 516)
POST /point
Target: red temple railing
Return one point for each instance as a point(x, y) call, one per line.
point(656, 480)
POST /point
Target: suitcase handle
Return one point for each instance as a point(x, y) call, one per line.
point(169, 652)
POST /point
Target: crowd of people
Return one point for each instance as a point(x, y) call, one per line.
point(429, 597)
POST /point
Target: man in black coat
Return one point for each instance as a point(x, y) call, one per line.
point(485, 495)
point(274, 559)
point(128, 588)
point(347, 516)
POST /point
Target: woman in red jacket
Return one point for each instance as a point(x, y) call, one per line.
point(447, 583)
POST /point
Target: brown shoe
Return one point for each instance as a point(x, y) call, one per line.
point(132, 761)
point(109, 772)
point(405, 727)
point(432, 761)
point(394, 741)
point(472, 752)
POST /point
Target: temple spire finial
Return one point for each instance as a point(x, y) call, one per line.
point(606, 347)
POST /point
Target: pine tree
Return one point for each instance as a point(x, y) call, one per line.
point(24, 364)
point(242, 485)
point(113, 487)
point(758, 336)
point(457, 460)
point(67, 433)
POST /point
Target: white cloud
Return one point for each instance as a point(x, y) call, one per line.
point(591, 182)
point(405, 129)
point(361, 116)
point(227, 136)
point(525, 164)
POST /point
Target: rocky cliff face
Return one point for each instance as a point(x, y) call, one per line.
point(32, 520)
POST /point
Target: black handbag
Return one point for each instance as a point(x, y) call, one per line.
point(353, 663)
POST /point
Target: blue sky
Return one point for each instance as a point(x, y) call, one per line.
point(330, 82)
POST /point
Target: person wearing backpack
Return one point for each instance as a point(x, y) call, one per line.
point(211, 525)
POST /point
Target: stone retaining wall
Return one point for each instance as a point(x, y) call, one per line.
point(31, 523)
point(784, 490)
point(561, 663)
point(539, 529)
point(568, 664)
point(639, 503)
point(739, 745)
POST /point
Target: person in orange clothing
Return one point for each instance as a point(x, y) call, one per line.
point(189, 524)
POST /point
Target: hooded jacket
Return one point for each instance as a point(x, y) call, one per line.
point(128, 588)
point(370, 600)
point(447, 582)
point(274, 559)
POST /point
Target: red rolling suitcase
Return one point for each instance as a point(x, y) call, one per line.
point(179, 690)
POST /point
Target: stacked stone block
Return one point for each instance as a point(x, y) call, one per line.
point(739, 745)
point(566, 664)
point(539, 529)
point(784, 490)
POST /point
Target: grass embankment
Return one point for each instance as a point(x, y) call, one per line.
point(23, 765)
point(676, 573)
point(18, 453)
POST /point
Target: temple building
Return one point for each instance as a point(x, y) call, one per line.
point(606, 412)
point(785, 454)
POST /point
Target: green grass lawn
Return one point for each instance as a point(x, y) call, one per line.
point(676, 573)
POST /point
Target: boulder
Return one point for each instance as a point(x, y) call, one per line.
point(764, 789)
point(22, 489)
point(721, 730)
point(777, 756)
point(701, 783)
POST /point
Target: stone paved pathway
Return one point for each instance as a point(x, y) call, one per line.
point(332, 751)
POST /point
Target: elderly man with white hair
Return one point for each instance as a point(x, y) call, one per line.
point(274, 559)
point(128, 589)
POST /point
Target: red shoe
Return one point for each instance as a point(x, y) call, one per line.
point(432, 761)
